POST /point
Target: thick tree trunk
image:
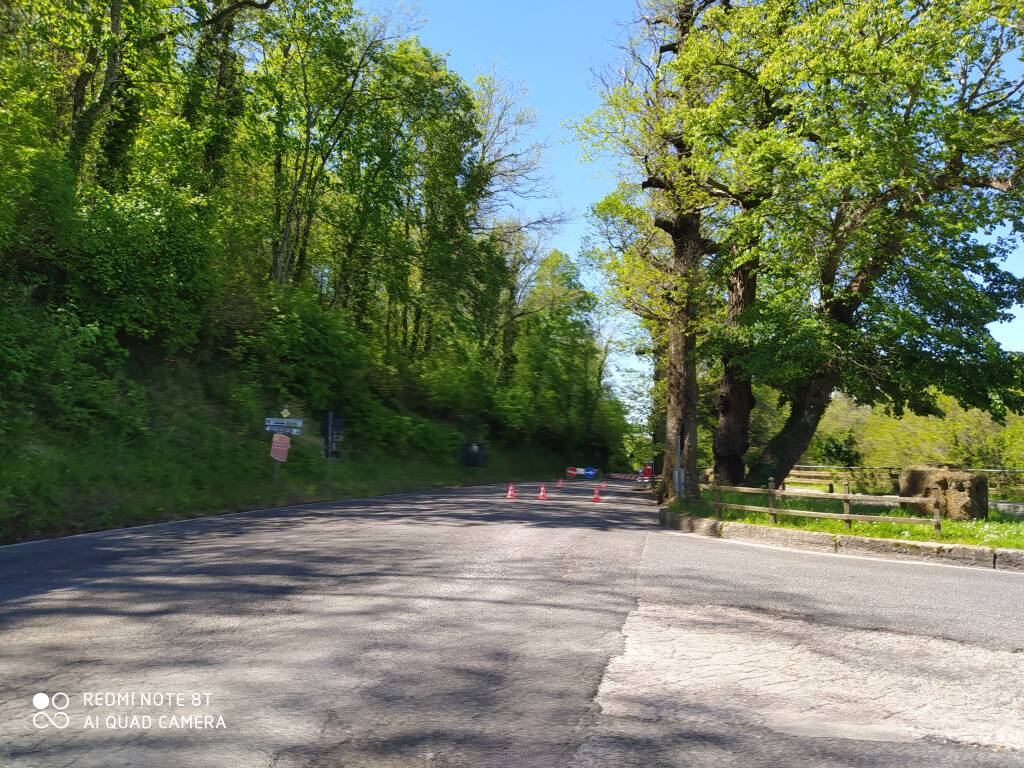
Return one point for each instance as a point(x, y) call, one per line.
point(691, 487)
point(732, 435)
point(808, 405)
point(674, 401)
point(735, 400)
point(681, 421)
point(657, 423)
point(681, 405)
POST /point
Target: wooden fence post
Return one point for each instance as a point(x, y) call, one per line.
point(718, 500)
point(937, 500)
point(846, 505)
point(771, 500)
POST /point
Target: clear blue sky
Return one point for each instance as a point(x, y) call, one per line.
point(552, 48)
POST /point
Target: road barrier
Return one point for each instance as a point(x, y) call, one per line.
point(628, 476)
point(847, 498)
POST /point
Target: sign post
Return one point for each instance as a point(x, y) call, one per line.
point(279, 446)
point(280, 443)
point(331, 430)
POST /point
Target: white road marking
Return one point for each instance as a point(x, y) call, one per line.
point(892, 560)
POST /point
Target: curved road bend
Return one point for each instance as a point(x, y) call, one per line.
point(456, 628)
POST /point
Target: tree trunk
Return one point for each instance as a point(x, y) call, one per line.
point(681, 407)
point(732, 435)
point(85, 119)
point(279, 134)
point(807, 407)
point(735, 400)
point(674, 401)
point(118, 136)
point(657, 423)
point(691, 487)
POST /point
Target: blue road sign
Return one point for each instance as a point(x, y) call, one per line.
point(283, 426)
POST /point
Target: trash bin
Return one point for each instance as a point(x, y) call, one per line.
point(473, 454)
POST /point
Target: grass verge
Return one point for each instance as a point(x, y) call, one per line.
point(197, 457)
point(93, 489)
point(994, 532)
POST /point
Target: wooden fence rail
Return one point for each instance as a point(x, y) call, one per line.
point(847, 498)
point(1000, 481)
point(834, 467)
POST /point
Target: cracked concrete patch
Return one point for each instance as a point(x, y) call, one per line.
point(730, 666)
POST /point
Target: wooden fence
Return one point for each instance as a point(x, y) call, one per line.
point(866, 478)
point(1001, 482)
point(848, 499)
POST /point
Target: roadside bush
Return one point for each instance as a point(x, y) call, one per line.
point(302, 353)
point(64, 370)
point(142, 266)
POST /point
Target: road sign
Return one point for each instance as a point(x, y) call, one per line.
point(279, 447)
point(285, 412)
point(283, 422)
point(283, 426)
point(588, 472)
point(294, 431)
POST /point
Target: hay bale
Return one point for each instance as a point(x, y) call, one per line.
point(963, 494)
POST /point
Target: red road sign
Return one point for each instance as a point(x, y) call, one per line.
point(279, 447)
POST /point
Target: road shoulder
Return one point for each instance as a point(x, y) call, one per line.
point(927, 551)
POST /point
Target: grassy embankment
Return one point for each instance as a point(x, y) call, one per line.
point(997, 531)
point(196, 458)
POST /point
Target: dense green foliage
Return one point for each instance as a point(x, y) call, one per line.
point(294, 201)
point(969, 438)
point(837, 165)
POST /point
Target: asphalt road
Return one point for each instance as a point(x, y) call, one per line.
point(457, 628)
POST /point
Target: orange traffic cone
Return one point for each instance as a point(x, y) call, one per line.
point(511, 492)
point(543, 492)
point(561, 483)
point(597, 494)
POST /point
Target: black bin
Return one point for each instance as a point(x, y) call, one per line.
point(473, 454)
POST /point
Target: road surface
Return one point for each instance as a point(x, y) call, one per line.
point(457, 628)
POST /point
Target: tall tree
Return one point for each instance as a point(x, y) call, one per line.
point(847, 155)
point(636, 122)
